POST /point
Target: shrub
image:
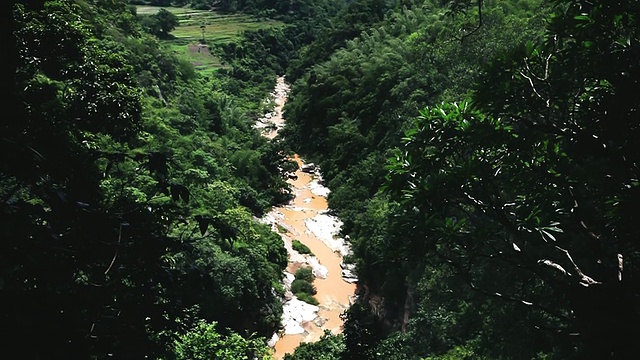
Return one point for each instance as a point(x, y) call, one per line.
point(305, 273)
point(298, 286)
point(308, 298)
point(300, 247)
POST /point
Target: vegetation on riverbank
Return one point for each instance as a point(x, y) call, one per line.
point(302, 287)
point(129, 185)
point(300, 247)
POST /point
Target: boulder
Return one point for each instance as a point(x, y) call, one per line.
point(308, 168)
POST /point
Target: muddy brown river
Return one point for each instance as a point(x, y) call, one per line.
point(305, 218)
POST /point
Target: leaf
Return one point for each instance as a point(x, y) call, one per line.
point(179, 192)
point(582, 17)
point(203, 223)
point(184, 193)
point(158, 163)
point(529, 47)
point(547, 235)
point(175, 192)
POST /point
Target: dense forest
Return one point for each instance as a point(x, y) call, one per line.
point(483, 157)
point(129, 189)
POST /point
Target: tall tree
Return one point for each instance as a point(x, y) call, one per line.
point(167, 21)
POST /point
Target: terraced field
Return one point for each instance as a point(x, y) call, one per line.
point(200, 31)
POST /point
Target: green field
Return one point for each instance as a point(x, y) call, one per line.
point(216, 28)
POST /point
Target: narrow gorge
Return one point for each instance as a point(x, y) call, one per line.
point(306, 219)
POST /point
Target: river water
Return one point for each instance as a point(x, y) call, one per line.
point(306, 219)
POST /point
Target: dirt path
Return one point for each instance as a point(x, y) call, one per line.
point(306, 219)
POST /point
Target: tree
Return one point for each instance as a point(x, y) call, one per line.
point(167, 21)
point(329, 347)
point(452, 178)
point(161, 23)
point(204, 342)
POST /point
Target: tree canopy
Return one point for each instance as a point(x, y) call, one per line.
point(485, 177)
point(129, 187)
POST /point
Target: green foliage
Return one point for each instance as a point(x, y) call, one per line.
point(167, 21)
point(302, 286)
point(349, 20)
point(204, 342)
point(362, 331)
point(457, 353)
point(231, 279)
point(305, 273)
point(160, 24)
point(308, 298)
point(503, 227)
point(498, 219)
point(496, 192)
point(300, 247)
point(121, 204)
point(285, 10)
point(358, 102)
point(461, 151)
point(329, 347)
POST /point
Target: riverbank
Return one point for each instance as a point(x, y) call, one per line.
point(306, 219)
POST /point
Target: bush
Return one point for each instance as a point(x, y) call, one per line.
point(298, 286)
point(300, 247)
point(302, 286)
point(305, 273)
point(309, 299)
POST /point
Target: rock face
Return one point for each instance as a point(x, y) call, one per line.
point(348, 273)
point(295, 313)
point(308, 168)
point(327, 228)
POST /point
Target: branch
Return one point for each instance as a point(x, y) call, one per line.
point(584, 279)
point(553, 265)
point(117, 250)
point(556, 331)
point(514, 299)
point(480, 23)
point(620, 266)
point(467, 273)
point(535, 91)
point(523, 259)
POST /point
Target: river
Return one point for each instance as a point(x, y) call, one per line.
point(306, 219)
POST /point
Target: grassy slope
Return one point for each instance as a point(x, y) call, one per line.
point(218, 29)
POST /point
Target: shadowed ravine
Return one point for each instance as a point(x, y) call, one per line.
point(305, 218)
